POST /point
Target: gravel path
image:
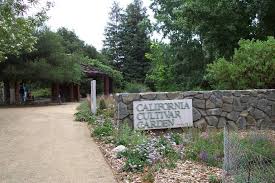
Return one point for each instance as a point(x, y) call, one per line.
point(45, 145)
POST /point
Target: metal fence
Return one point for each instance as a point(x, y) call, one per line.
point(249, 156)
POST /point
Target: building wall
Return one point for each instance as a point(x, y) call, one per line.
point(238, 108)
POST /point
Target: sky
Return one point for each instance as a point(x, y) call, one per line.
point(88, 18)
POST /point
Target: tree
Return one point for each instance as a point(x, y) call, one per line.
point(73, 44)
point(135, 42)
point(48, 63)
point(160, 76)
point(113, 33)
point(252, 66)
point(17, 30)
point(201, 31)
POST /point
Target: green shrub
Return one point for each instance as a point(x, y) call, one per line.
point(252, 66)
point(136, 88)
point(206, 148)
point(166, 149)
point(84, 113)
point(44, 92)
point(103, 130)
point(106, 107)
point(136, 160)
point(102, 104)
point(214, 179)
point(177, 138)
point(128, 137)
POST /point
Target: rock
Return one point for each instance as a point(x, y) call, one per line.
point(222, 122)
point(228, 99)
point(232, 125)
point(224, 114)
point(201, 124)
point(244, 98)
point(207, 95)
point(123, 111)
point(203, 113)
point(119, 149)
point(227, 107)
point(127, 121)
point(264, 123)
point(271, 96)
point(214, 112)
point(196, 114)
point(212, 120)
point(241, 122)
point(233, 116)
point(148, 96)
point(130, 106)
point(237, 93)
point(199, 103)
point(174, 95)
point(237, 105)
point(127, 99)
point(244, 113)
point(162, 96)
point(199, 96)
point(258, 114)
point(210, 105)
point(216, 100)
point(253, 101)
point(189, 94)
point(262, 104)
point(250, 120)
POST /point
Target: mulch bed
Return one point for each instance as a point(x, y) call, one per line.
point(185, 171)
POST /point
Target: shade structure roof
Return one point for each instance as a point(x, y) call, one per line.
point(90, 71)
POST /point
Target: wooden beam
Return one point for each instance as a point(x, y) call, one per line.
point(106, 86)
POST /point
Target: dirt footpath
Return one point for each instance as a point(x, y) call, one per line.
point(45, 145)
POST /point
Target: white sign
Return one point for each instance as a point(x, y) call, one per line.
point(93, 96)
point(161, 114)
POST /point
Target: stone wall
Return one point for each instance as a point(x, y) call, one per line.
point(237, 108)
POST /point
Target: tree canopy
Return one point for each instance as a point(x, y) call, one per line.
point(17, 29)
point(127, 40)
point(252, 66)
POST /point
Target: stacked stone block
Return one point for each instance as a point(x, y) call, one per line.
point(239, 109)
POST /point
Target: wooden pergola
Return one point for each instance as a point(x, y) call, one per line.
point(71, 91)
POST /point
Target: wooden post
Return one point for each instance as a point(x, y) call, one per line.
point(12, 92)
point(106, 86)
point(16, 90)
point(93, 96)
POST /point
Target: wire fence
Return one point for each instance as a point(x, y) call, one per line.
point(249, 156)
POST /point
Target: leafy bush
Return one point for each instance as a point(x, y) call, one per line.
point(128, 137)
point(103, 130)
point(84, 113)
point(136, 160)
point(206, 148)
point(252, 66)
point(136, 88)
point(106, 107)
point(43, 92)
point(167, 151)
point(102, 104)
